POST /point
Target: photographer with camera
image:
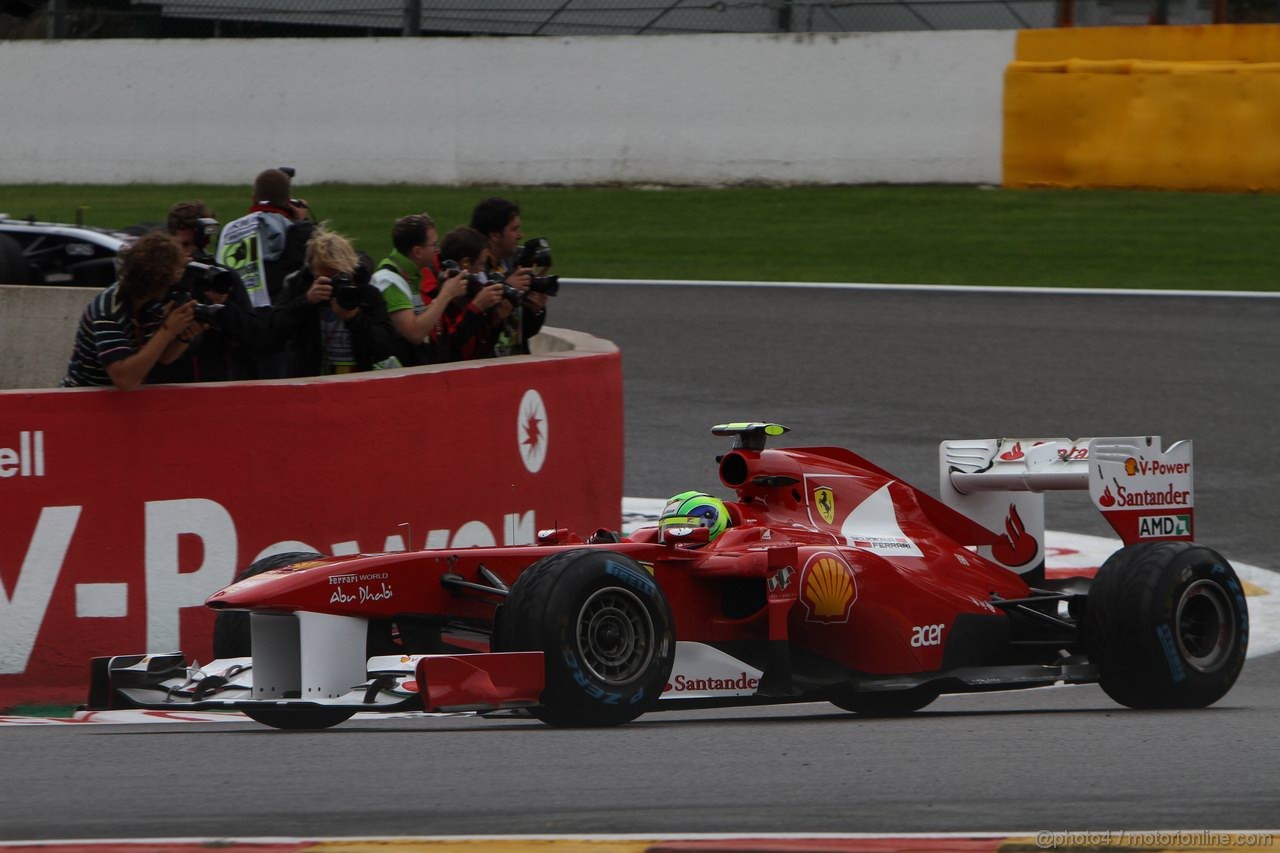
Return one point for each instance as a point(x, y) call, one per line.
point(232, 328)
point(467, 323)
point(524, 269)
point(335, 321)
point(264, 247)
point(135, 323)
point(416, 319)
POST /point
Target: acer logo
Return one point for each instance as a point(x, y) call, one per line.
point(926, 635)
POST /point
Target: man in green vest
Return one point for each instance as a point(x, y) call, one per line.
point(416, 244)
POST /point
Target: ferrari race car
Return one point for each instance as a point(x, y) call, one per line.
point(833, 581)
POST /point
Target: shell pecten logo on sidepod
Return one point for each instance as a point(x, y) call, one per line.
point(827, 588)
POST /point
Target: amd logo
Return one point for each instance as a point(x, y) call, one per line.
point(27, 459)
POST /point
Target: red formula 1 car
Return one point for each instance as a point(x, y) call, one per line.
point(834, 581)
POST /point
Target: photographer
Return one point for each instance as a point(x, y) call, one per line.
point(335, 321)
point(524, 269)
point(264, 247)
point(225, 350)
point(416, 245)
point(133, 324)
point(467, 323)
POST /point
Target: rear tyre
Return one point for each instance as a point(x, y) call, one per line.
point(1167, 625)
point(231, 634)
point(14, 268)
point(605, 631)
point(298, 718)
point(889, 703)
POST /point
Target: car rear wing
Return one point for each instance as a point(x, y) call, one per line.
point(1144, 493)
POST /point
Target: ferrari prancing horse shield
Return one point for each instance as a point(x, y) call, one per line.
point(825, 500)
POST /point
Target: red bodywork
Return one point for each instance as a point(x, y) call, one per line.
point(826, 551)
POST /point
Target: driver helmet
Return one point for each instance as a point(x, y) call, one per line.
point(695, 509)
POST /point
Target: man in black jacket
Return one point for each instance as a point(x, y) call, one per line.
point(335, 321)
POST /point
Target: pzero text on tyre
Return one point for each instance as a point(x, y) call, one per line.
point(1167, 625)
point(605, 631)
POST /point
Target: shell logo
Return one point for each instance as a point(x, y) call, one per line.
point(828, 589)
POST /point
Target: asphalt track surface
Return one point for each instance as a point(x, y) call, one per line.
point(889, 375)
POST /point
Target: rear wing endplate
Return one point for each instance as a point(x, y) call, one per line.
point(1145, 493)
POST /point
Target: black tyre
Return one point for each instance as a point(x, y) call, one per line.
point(298, 717)
point(1167, 625)
point(231, 634)
point(605, 632)
point(14, 268)
point(889, 703)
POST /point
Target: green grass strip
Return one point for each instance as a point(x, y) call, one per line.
point(914, 234)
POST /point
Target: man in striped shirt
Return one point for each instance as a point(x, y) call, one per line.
point(127, 329)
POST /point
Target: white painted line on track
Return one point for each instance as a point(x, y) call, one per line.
point(639, 837)
point(936, 288)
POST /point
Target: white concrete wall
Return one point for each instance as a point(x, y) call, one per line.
point(37, 332)
point(894, 107)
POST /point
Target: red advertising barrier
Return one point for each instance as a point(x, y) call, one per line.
point(121, 512)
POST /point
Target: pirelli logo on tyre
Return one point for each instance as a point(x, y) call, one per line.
point(828, 588)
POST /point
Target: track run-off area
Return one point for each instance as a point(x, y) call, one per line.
point(889, 373)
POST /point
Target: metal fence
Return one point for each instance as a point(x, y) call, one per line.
point(286, 18)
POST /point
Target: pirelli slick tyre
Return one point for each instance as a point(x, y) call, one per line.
point(231, 634)
point(1167, 625)
point(605, 631)
point(298, 717)
point(888, 703)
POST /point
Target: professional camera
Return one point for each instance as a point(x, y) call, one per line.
point(345, 292)
point(180, 295)
point(200, 278)
point(205, 229)
point(449, 269)
point(292, 173)
point(548, 284)
point(536, 252)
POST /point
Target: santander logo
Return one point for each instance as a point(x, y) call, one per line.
point(1016, 547)
point(685, 684)
point(1013, 454)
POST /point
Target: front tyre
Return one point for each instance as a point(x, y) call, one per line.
point(1167, 625)
point(232, 636)
point(605, 631)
